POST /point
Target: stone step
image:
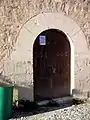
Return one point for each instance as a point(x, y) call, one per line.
point(44, 102)
point(80, 95)
point(57, 100)
point(63, 99)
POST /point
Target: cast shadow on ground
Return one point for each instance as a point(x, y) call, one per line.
point(29, 108)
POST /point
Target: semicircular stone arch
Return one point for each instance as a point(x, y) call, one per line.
point(51, 21)
point(79, 11)
point(28, 34)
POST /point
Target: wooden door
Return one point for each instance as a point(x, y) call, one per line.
point(51, 65)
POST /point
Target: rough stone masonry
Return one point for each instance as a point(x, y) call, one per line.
point(14, 14)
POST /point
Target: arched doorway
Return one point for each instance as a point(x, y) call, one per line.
point(51, 65)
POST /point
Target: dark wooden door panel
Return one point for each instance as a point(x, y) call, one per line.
point(52, 66)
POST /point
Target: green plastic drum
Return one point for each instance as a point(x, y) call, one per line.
point(6, 102)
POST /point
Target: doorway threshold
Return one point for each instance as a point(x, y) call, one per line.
point(62, 100)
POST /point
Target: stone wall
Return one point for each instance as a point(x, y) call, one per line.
point(14, 14)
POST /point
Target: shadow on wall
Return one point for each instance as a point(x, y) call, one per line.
point(23, 93)
point(19, 92)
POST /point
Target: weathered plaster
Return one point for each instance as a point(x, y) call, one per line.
point(23, 74)
point(15, 14)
